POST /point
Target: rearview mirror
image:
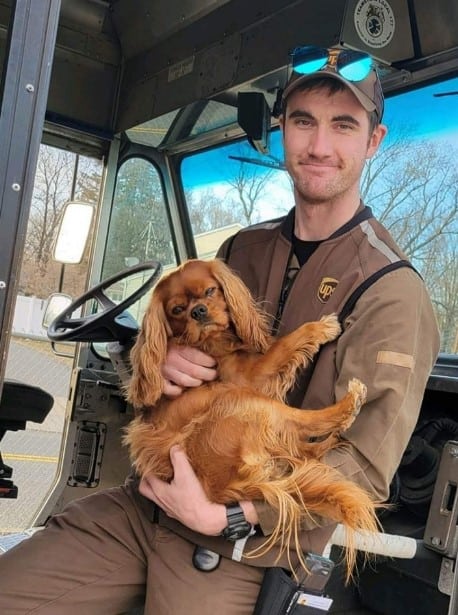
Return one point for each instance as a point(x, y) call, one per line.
point(73, 232)
point(253, 116)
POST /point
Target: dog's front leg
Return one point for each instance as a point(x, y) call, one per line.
point(276, 369)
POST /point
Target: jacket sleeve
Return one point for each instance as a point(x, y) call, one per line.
point(225, 248)
point(390, 342)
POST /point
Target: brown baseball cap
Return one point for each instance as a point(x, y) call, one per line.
point(368, 91)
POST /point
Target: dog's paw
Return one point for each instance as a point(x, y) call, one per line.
point(358, 390)
point(331, 326)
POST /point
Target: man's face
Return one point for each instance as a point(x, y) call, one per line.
point(326, 141)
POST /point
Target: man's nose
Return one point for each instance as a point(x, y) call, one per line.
point(320, 143)
point(199, 312)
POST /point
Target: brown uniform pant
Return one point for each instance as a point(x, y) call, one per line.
point(103, 556)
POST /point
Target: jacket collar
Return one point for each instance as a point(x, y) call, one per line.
point(364, 213)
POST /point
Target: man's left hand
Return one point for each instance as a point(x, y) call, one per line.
point(184, 498)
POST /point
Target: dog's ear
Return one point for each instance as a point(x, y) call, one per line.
point(252, 325)
point(148, 355)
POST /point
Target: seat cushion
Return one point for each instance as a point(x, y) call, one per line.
point(24, 402)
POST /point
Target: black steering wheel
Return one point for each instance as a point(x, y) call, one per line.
point(112, 323)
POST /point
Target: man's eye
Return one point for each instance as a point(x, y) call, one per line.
point(345, 126)
point(177, 310)
point(303, 122)
point(210, 291)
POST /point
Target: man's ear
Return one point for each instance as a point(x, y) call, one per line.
point(378, 134)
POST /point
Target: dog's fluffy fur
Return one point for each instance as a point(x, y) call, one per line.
point(242, 440)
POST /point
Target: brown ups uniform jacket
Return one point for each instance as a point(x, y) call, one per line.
point(389, 341)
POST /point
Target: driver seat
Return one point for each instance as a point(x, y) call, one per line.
point(19, 403)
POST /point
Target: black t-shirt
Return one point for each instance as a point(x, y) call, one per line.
point(304, 249)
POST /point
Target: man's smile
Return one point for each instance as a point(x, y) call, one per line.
point(318, 168)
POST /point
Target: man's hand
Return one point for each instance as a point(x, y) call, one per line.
point(186, 367)
point(184, 498)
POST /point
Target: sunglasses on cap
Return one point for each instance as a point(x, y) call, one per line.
point(351, 65)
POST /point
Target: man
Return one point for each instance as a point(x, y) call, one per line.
point(328, 255)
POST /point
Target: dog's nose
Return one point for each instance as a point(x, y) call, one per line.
point(199, 312)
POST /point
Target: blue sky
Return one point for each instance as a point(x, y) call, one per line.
point(429, 113)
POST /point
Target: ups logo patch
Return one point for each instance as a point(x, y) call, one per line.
point(326, 288)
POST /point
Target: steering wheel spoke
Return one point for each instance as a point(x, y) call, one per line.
point(103, 300)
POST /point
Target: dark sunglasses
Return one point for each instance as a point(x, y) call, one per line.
point(351, 65)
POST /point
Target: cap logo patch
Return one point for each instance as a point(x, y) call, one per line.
point(332, 58)
point(326, 288)
point(374, 22)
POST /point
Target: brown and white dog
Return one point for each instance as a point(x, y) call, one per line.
point(242, 440)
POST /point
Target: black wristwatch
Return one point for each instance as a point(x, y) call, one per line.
point(237, 526)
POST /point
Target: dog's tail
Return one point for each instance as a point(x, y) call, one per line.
point(316, 493)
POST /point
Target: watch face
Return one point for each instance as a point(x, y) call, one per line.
point(237, 530)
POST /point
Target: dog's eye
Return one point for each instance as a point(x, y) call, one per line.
point(210, 291)
point(177, 310)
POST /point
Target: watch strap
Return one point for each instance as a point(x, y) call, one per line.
point(234, 514)
point(237, 525)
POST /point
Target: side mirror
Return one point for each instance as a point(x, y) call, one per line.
point(57, 303)
point(254, 117)
point(73, 232)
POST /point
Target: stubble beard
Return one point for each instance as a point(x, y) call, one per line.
point(324, 193)
point(327, 193)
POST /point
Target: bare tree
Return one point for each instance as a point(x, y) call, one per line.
point(412, 186)
point(440, 271)
point(52, 190)
point(208, 211)
point(87, 185)
point(250, 185)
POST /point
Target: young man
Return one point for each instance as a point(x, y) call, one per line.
point(328, 255)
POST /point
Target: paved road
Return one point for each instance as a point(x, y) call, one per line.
point(33, 453)
point(37, 365)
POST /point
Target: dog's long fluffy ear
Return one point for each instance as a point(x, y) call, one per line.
point(251, 323)
point(147, 356)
